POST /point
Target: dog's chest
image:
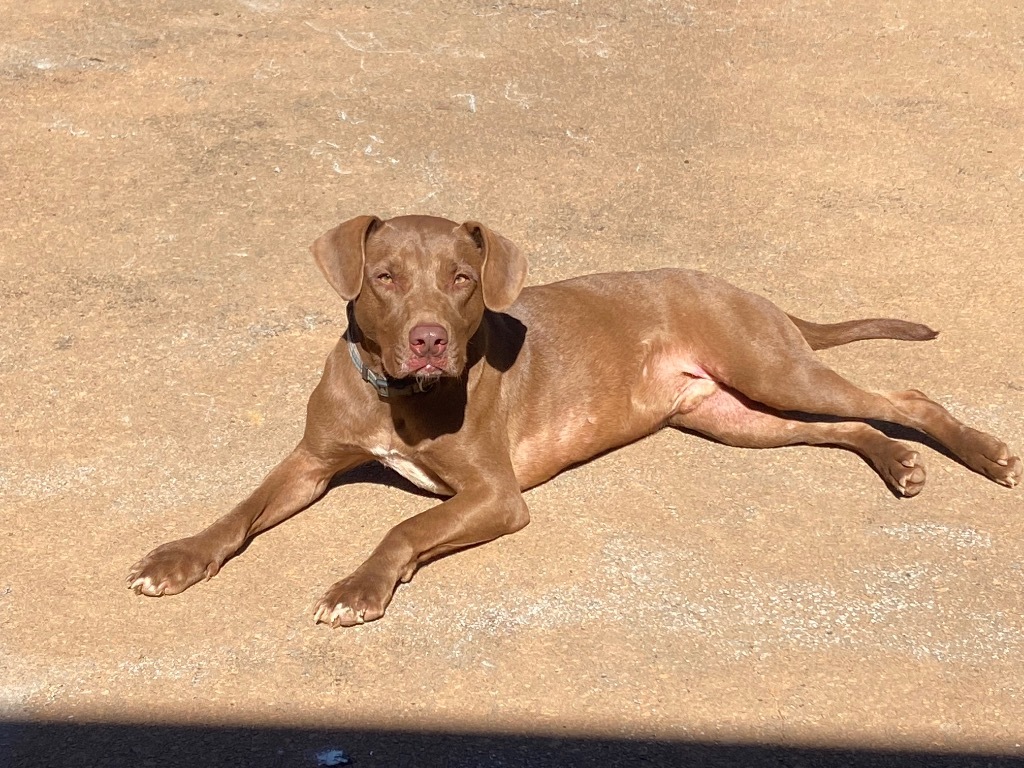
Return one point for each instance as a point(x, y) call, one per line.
point(411, 471)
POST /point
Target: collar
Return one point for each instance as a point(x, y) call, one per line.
point(384, 384)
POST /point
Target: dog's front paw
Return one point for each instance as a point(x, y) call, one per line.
point(357, 599)
point(172, 568)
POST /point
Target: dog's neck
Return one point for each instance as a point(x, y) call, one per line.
point(385, 386)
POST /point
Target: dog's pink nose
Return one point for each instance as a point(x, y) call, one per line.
point(428, 340)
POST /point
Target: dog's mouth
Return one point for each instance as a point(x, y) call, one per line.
point(428, 371)
point(426, 368)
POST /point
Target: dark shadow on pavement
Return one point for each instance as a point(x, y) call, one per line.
point(26, 744)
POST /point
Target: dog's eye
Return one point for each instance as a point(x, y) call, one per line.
point(386, 278)
point(461, 279)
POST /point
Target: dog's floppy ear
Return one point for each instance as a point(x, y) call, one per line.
point(504, 268)
point(340, 254)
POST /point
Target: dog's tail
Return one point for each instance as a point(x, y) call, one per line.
point(825, 335)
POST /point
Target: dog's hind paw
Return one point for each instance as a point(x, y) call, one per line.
point(1011, 473)
point(905, 473)
point(991, 457)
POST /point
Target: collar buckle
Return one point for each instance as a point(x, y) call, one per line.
point(385, 386)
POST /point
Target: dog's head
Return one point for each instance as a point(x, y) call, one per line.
point(419, 286)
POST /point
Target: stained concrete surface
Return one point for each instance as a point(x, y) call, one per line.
point(163, 168)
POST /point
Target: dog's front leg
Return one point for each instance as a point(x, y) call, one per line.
point(294, 484)
point(479, 513)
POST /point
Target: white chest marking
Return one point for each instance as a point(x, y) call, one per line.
point(416, 475)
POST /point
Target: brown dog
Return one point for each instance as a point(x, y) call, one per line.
point(473, 387)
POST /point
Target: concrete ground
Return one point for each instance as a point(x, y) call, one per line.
point(163, 168)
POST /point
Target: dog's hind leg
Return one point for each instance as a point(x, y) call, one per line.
point(771, 364)
point(731, 418)
point(808, 386)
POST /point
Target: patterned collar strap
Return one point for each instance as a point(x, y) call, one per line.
point(385, 386)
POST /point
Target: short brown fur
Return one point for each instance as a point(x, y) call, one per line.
point(525, 382)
